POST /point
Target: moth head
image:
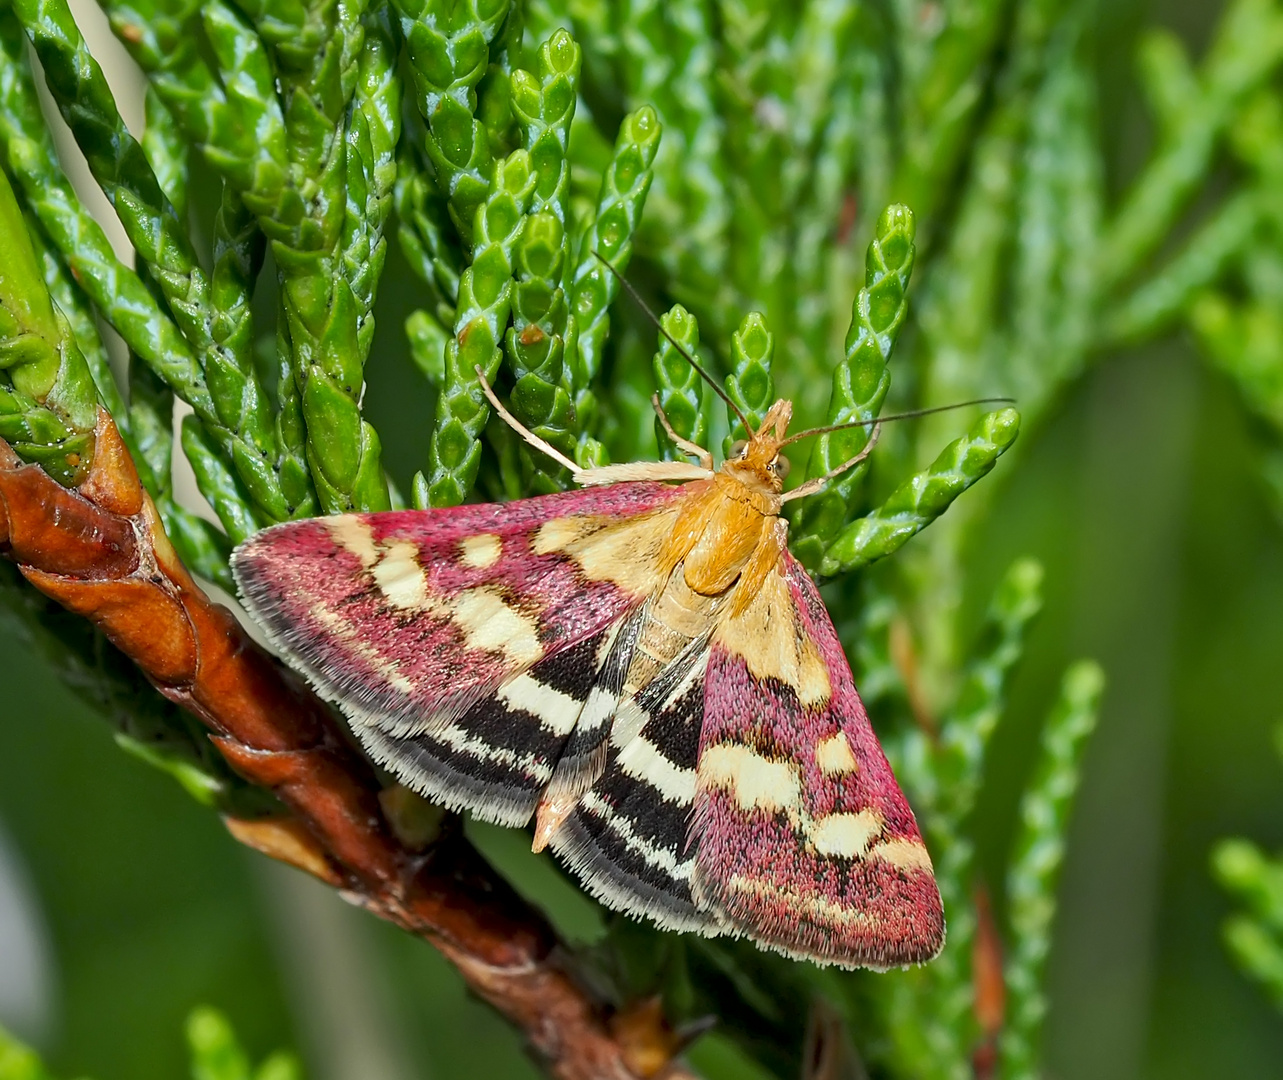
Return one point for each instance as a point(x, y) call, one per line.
point(757, 460)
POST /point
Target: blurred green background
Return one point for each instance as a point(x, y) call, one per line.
point(1163, 561)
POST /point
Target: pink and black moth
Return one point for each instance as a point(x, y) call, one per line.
point(642, 668)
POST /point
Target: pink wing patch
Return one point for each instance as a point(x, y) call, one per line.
point(408, 615)
point(805, 840)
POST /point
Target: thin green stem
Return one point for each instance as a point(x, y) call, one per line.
point(485, 302)
point(448, 45)
point(860, 381)
point(680, 387)
point(924, 497)
point(1036, 862)
point(624, 186)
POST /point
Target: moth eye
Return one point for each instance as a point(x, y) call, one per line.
point(738, 447)
point(780, 467)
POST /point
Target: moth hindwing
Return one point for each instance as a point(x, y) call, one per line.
point(641, 669)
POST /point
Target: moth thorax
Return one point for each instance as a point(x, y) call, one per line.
point(736, 527)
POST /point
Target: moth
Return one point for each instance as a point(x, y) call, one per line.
point(639, 666)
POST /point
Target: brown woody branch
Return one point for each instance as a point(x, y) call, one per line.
point(101, 552)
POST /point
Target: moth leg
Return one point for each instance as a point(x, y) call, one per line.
point(812, 486)
point(684, 445)
point(517, 426)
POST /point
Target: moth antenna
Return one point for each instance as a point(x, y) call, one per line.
point(517, 426)
point(897, 416)
point(637, 299)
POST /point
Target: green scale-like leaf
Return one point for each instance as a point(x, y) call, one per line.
point(542, 328)
point(485, 301)
point(593, 289)
point(47, 393)
point(750, 384)
point(680, 387)
point(448, 46)
point(924, 497)
point(1036, 862)
point(860, 382)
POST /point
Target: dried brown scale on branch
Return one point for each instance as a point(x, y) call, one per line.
point(101, 552)
point(990, 996)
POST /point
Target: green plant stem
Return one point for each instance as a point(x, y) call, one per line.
point(680, 387)
point(121, 296)
point(287, 159)
point(536, 345)
point(544, 107)
point(48, 400)
point(317, 65)
point(670, 64)
point(449, 49)
point(924, 497)
point(1036, 861)
point(947, 68)
point(374, 129)
point(750, 384)
point(1247, 48)
point(624, 186)
point(1161, 299)
point(485, 301)
point(965, 732)
point(115, 290)
point(860, 382)
point(944, 771)
point(420, 211)
point(1253, 936)
point(160, 237)
point(167, 154)
point(70, 299)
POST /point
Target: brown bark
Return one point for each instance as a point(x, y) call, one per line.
point(100, 551)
